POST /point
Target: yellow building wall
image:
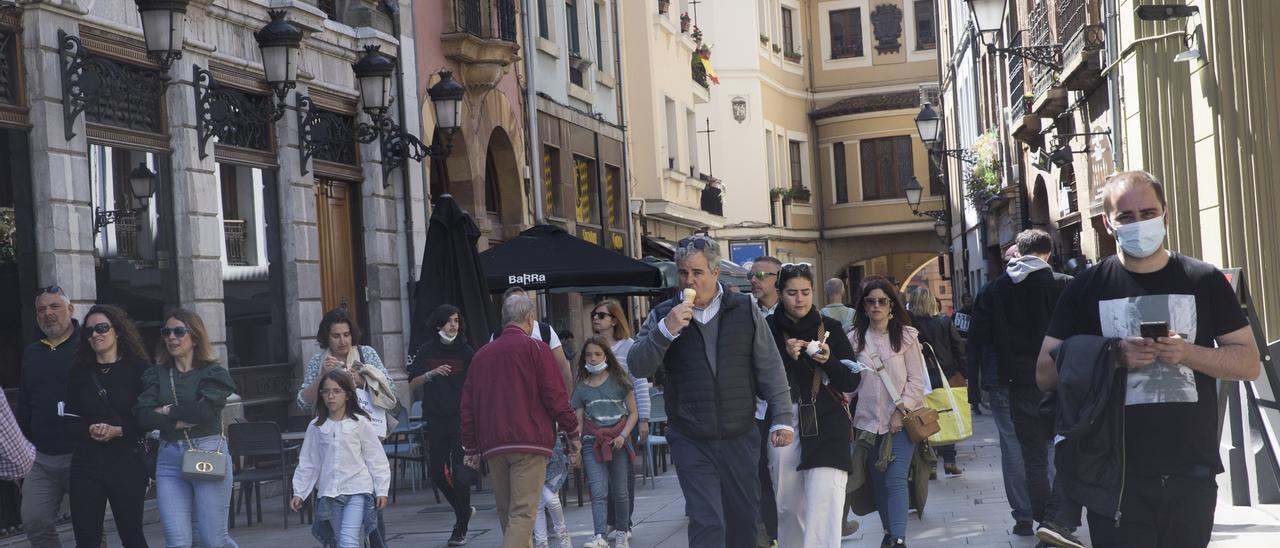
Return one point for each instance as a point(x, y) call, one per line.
point(858, 212)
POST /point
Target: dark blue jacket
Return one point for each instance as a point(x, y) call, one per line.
point(1090, 415)
point(43, 385)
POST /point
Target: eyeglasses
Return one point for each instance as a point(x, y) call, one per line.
point(877, 301)
point(696, 242)
point(600, 315)
point(99, 328)
point(177, 332)
point(54, 289)
point(762, 275)
point(332, 392)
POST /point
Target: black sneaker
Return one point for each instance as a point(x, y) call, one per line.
point(458, 538)
point(884, 543)
point(1023, 529)
point(1053, 534)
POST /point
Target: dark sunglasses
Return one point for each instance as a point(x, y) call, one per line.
point(696, 242)
point(178, 332)
point(873, 301)
point(802, 268)
point(99, 328)
point(54, 289)
point(762, 275)
point(600, 315)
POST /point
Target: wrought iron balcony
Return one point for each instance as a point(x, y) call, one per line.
point(237, 239)
point(490, 19)
point(1017, 80)
point(126, 227)
point(1082, 42)
point(1041, 36)
point(481, 36)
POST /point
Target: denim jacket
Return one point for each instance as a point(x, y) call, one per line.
point(326, 507)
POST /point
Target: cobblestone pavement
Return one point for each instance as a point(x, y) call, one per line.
point(969, 510)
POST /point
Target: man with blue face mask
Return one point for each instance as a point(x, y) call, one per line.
point(1169, 452)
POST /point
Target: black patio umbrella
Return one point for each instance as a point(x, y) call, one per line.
point(545, 257)
point(451, 274)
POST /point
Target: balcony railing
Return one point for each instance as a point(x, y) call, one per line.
point(237, 239)
point(1071, 20)
point(494, 19)
point(1017, 79)
point(127, 236)
point(1041, 35)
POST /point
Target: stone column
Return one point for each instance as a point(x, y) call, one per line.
point(61, 191)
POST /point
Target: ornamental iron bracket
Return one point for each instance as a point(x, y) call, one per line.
point(104, 217)
point(399, 146)
point(324, 135)
point(962, 154)
point(127, 94)
point(935, 214)
point(1049, 56)
point(231, 115)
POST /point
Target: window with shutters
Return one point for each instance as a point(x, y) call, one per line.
point(886, 163)
point(846, 33)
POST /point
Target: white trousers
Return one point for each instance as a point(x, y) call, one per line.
point(810, 502)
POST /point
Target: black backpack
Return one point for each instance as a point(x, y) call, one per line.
point(543, 329)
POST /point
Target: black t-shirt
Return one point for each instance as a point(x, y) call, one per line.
point(1171, 411)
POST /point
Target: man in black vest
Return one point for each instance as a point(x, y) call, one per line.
point(715, 366)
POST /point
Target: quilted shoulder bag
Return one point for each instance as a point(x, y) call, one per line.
point(919, 423)
point(198, 464)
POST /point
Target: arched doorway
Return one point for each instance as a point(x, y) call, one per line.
point(931, 276)
point(899, 268)
point(1039, 214)
point(503, 199)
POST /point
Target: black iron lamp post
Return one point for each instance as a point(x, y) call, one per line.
point(929, 124)
point(281, 46)
point(915, 192)
point(1061, 154)
point(142, 185)
point(374, 72)
point(989, 15)
point(164, 24)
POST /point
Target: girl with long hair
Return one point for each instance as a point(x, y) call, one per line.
point(343, 460)
point(882, 335)
point(609, 321)
point(182, 397)
point(606, 403)
point(109, 461)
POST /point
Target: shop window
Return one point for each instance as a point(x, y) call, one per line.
point(587, 208)
point(551, 184)
point(17, 268)
point(252, 280)
point(886, 163)
point(846, 33)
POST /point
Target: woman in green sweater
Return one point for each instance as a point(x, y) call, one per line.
point(183, 397)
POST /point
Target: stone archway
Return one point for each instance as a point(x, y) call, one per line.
point(503, 196)
point(1039, 214)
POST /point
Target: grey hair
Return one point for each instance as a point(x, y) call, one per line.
point(65, 299)
point(516, 309)
point(834, 286)
point(711, 251)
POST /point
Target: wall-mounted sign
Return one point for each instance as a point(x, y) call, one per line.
point(745, 252)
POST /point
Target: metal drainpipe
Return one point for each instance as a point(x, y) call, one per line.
point(531, 114)
point(622, 123)
point(1113, 84)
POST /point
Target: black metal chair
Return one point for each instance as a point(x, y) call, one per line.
point(259, 456)
point(404, 446)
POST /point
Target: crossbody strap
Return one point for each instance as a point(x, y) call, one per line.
point(878, 365)
point(102, 393)
point(173, 387)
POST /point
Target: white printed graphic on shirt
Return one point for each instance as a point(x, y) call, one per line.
point(1159, 382)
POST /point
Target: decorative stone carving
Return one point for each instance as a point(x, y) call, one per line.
point(886, 21)
point(739, 105)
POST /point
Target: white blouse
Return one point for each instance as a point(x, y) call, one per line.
point(342, 458)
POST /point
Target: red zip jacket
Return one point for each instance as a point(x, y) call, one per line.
point(514, 398)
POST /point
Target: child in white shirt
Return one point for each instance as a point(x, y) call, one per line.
point(344, 462)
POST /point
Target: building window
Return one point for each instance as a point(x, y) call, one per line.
point(587, 208)
point(885, 164)
point(571, 25)
point(788, 31)
point(544, 20)
point(797, 169)
point(841, 173)
point(600, 34)
point(768, 149)
point(615, 202)
point(691, 127)
point(551, 180)
point(926, 37)
point(937, 186)
point(252, 282)
point(846, 33)
point(672, 137)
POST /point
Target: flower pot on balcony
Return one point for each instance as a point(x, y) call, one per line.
point(777, 48)
point(685, 21)
point(800, 195)
point(792, 56)
point(664, 6)
point(764, 40)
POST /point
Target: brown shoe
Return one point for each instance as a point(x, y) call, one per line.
point(952, 470)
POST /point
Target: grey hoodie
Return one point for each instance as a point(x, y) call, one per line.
point(1023, 266)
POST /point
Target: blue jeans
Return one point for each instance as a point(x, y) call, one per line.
point(348, 520)
point(890, 486)
point(604, 478)
point(180, 499)
point(1015, 474)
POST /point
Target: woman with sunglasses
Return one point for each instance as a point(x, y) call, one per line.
point(609, 321)
point(882, 335)
point(183, 397)
point(809, 477)
point(107, 463)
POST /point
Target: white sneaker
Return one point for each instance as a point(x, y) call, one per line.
point(615, 534)
point(621, 541)
point(565, 541)
point(597, 542)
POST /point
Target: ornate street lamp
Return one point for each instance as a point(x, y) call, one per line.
point(373, 71)
point(164, 24)
point(988, 15)
point(142, 185)
point(929, 124)
point(915, 192)
point(941, 227)
point(281, 46)
point(446, 99)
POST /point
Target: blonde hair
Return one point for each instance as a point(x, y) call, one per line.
point(921, 301)
point(621, 327)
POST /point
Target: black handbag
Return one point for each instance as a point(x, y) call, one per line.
point(146, 449)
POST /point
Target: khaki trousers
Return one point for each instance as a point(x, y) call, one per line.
point(517, 486)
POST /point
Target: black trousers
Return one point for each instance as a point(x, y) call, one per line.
point(1035, 434)
point(768, 503)
point(103, 473)
point(444, 451)
point(1159, 511)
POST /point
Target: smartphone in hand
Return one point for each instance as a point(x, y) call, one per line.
point(1154, 330)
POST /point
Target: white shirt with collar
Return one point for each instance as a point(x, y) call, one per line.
point(342, 458)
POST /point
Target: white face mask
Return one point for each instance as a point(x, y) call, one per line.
point(1141, 239)
point(594, 368)
point(446, 338)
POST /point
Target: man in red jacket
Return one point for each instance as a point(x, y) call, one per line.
point(512, 404)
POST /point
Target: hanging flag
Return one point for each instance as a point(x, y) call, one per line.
point(711, 73)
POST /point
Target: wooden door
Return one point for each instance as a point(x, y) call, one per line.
point(335, 213)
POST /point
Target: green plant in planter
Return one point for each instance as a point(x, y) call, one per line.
point(985, 179)
point(764, 40)
point(779, 193)
point(777, 48)
point(696, 35)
